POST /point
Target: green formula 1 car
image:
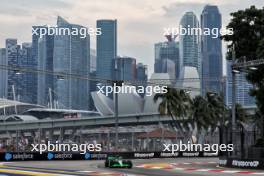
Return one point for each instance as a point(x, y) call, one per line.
point(117, 162)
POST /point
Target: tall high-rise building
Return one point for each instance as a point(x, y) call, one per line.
point(3, 74)
point(125, 68)
point(106, 49)
point(14, 81)
point(34, 55)
point(21, 86)
point(71, 55)
point(211, 50)
point(166, 66)
point(167, 58)
point(157, 48)
point(190, 42)
point(45, 62)
point(142, 76)
point(92, 61)
point(29, 79)
point(242, 88)
point(142, 72)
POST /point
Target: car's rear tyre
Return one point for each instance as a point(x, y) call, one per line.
point(109, 164)
point(106, 164)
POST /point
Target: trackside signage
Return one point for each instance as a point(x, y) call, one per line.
point(30, 156)
point(242, 163)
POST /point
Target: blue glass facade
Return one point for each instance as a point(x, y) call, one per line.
point(242, 88)
point(21, 86)
point(126, 68)
point(141, 72)
point(165, 53)
point(71, 55)
point(14, 79)
point(45, 62)
point(106, 48)
point(190, 43)
point(211, 50)
point(29, 80)
point(3, 74)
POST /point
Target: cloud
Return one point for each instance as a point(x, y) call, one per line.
point(175, 9)
point(140, 23)
point(14, 12)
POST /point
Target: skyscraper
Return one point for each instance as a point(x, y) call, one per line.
point(167, 58)
point(21, 86)
point(142, 74)
point(211, 49)
point(34, 55)
point(242, 88)
point(14, 82)
point(166, 66)
point(190, 42)
point(125, 68)
point(45, 62)
point(3, 74)
point(29, 79)
point(92, 61)
point(106, 48)
point(71, 55)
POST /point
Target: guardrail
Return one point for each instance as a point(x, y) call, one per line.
point(29, 156)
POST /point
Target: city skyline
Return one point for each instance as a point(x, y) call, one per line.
point(137, 32)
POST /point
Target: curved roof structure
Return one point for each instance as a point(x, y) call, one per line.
point(160, 78)
point(20, 118)
point(10, 107)
point(128, 103)
point(103, 104)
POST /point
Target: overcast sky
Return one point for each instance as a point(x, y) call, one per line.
point(140, 22)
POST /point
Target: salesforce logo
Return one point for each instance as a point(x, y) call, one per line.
point(50, 156)
point(87, 156)
point(8, 156)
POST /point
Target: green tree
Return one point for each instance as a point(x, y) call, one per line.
point(174, 103)
point(206, 112)
point(248, 31)
point(248, 42)
point(241, 114)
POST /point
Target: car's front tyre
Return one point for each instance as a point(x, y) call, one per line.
point(130, 165)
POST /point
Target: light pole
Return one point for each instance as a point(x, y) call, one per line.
point(237, 68)
point(116, 119)
point(233, 124)
point(116, 83)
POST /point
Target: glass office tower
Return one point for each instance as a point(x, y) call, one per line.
point(3, 74)
point(45, 62)
point(106, 48)
point(126, 68)
point(190, 42)
point(72, 56)
point(211, 50)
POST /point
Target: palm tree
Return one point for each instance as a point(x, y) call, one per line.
point(174, 103)
point(206, 112)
